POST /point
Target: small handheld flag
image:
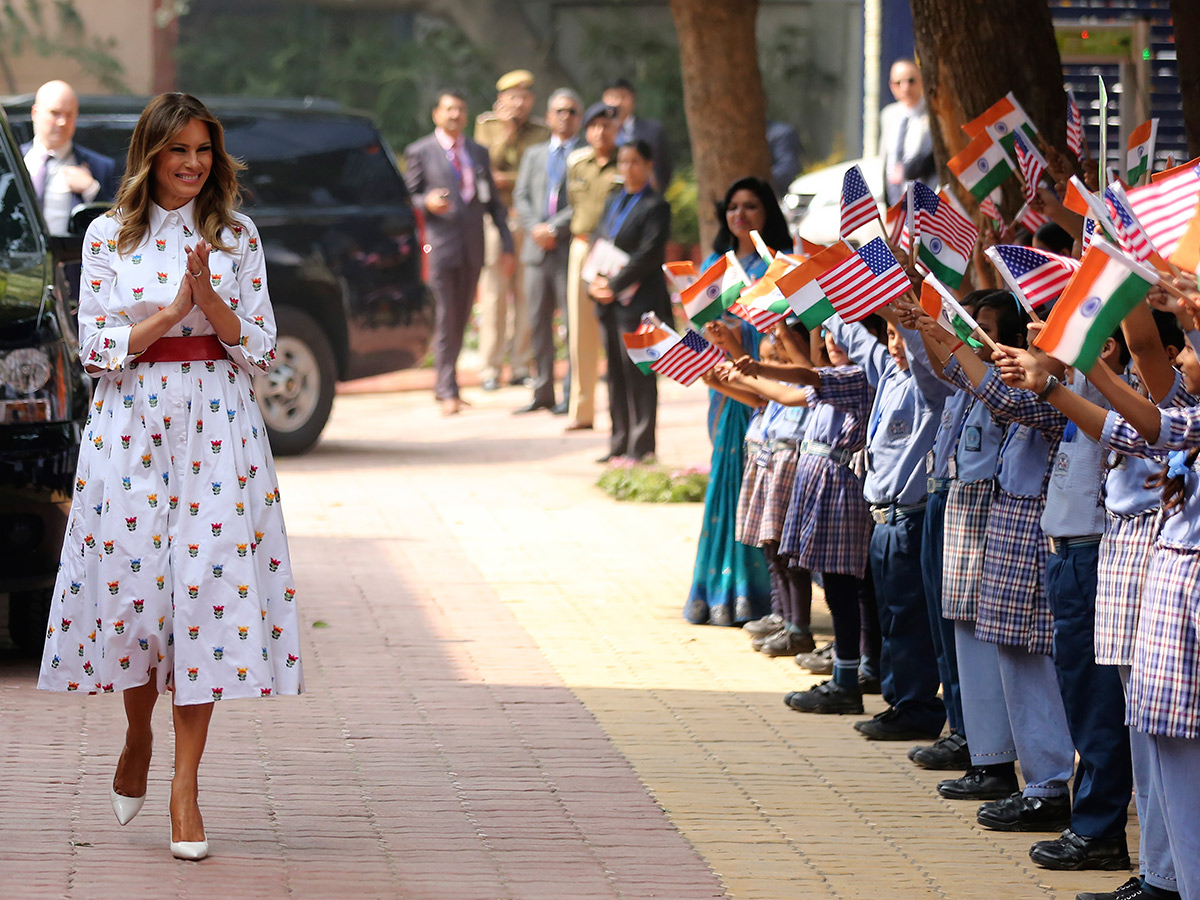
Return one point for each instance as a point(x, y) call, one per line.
point(935, 298)
point(760, 245)
point(858, 204)
point(1139, 156)
point(1099, 296)
point(1031, 163)
point(714, 291)
point(945, 237)
point(981, 167)
point(1074, 127)
point(680, 275)
point(658, 348)
point(1001, 121)
point(801, 290)
point(1165, 207)
point(761, 304)
point(865, 281)
point(1035, 276)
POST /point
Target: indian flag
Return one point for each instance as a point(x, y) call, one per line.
point(799, 285)
point(809, 248)
point(714, 291)
point(680, 275)
point(1098, 297)
point(1001, 122)
point(943, 307)
point(649, 344)
point(981, 167)
point(1139, 157)
point(762, 304)
point(767, 254)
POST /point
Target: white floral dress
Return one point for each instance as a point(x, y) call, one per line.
point(175, 556)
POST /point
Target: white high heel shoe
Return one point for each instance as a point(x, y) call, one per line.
point(192, 850)
point(125, 808)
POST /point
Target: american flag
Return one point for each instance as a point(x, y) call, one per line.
point(936, 216)
point(1031, 162)
point(1165, 207)
point(864, 282)
point(1035, 275)
point(858, 204)
point(689, 359)
point(1074, 126)
point(989, 208)
point(1130, 234)
point(1031, 220)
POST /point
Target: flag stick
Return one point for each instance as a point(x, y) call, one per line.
point(980, 335)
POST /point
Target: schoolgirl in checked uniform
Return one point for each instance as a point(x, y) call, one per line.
point(827, 525)
point(1164, 691)
point(770, 474)
point(1012, 611)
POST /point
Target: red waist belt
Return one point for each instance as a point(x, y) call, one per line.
point(184, 349)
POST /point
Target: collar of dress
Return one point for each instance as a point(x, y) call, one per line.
point(160, 217)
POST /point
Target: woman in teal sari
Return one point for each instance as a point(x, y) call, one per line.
point(730, 583)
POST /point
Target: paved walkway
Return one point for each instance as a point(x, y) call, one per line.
point(504, 702)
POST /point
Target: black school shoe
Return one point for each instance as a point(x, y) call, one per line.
point(950, 752)
point(1020, 813)
point(1072, 852)
point(828, 698)
point(1130, 890)
point(979, 784)
point(890, 725)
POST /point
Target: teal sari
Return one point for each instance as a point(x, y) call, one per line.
point(730, 582)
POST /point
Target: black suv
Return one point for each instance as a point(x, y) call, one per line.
point(344, 256)
point(44, 397)
point(342, 241)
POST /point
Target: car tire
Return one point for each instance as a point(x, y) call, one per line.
point(296, 396)
point(28, 613)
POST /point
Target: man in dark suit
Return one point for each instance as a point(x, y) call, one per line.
point(63, 173)
point(544, 211)
point(620, 94)
point(450, 179)
point(638, 221)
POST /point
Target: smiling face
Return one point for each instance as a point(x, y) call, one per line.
point(182, 166)
point(744, 214)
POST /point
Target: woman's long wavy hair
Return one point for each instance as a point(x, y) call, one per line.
point(162, 119)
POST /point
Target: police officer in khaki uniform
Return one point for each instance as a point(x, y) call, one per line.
point(506, 132)
point(591, 172)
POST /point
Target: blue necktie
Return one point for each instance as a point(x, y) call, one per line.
point(556, 168)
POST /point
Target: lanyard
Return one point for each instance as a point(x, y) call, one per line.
point(619, 211)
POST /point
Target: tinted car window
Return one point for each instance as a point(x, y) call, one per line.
point(290, 161)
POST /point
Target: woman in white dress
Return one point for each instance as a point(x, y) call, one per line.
point(175, 573)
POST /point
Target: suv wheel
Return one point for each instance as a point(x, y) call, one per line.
point(28, 612)
point(297, 394)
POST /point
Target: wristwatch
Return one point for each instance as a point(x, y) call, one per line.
point(1051, 384)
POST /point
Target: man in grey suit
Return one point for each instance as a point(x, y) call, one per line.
point(450, 179)
point(544, 211)
point(620, 94)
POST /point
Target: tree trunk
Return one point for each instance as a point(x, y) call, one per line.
point(971, 54)
point(1186, 17)
point(723, 98)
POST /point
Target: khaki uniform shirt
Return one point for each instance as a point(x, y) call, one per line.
point(506, 154)
point(588, 186)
